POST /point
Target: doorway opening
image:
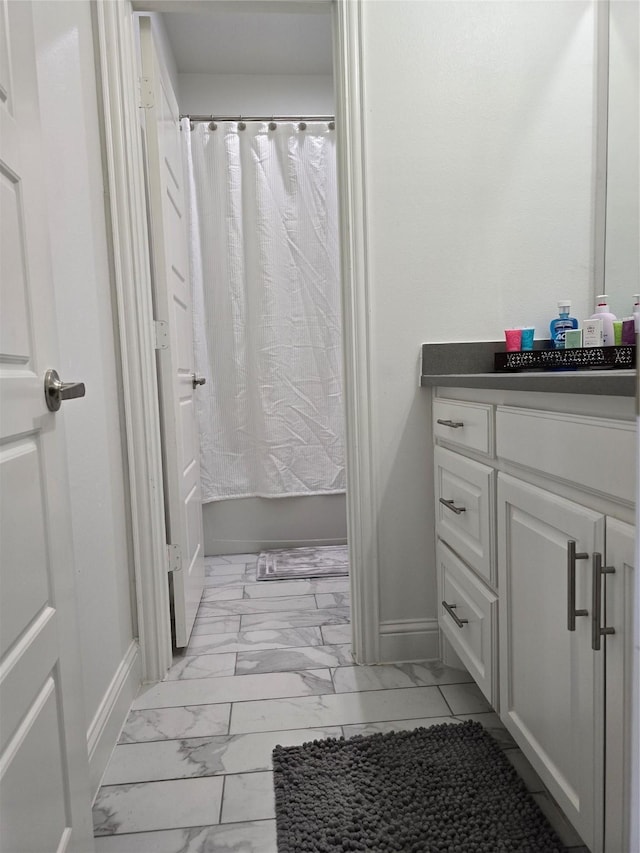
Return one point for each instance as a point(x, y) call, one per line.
point(258, 213)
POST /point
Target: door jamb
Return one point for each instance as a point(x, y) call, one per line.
point(126, 216)
point(362, 488)
point(118, 83)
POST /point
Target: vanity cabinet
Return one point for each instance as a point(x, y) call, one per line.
point(535, 586)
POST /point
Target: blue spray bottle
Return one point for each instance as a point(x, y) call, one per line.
point(561, 324)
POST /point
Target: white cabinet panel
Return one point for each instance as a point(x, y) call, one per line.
point(551, 681)
point(468, 425)
point(475, 640)
point(594, 453)
point(464, 509)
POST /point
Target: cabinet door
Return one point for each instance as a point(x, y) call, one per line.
point(551, 690)
point(618, 614)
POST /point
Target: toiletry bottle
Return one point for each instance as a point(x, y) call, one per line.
point(636, 310)
point(602, 313)
point(561, 324)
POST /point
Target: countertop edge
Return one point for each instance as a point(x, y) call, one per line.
point(579, 382)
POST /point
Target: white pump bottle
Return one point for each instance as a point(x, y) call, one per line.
point(602, 313)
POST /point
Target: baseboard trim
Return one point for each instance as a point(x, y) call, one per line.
point(111, 714)
point(409, 640)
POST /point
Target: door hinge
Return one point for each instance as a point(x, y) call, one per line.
point(146, 93)
point(162, 334)
point(174, 558)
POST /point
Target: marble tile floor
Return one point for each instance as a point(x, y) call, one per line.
point(268, 663)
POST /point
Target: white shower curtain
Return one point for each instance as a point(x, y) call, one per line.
point(266, 295)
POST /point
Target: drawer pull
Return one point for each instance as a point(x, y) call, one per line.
point(452, 424)
point(596, 611)
point(452, 506)
point(572, 556)
point(450, 608)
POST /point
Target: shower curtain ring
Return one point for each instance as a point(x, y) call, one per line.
point(302, 125)
point(272, 124)
point(241, 124)
point(213, 125)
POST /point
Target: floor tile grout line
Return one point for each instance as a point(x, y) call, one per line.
point(333, 683)
point(446, 703)
point(380, 690)
point(301, 727)
point(258, 651)
point(210, 738)
point(224, 782)
point(185, 828)
point(343, 725)
point(218, 775)
point(171, 829)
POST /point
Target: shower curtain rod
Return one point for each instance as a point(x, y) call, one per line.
point(199, 118)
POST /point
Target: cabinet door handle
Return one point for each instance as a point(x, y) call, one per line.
point(450, 608)
point(452, 424)
point(452, 506)
point(572, 556)
point(597, 632)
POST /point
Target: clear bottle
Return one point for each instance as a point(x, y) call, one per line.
point(561, 324)
point(603, 313)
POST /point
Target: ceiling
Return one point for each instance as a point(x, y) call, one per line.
point(250, 42)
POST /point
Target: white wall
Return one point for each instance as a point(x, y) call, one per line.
point(75, 191)
point(252, 94)
point(255, 524)
point(478, 134)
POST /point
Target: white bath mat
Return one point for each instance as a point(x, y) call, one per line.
point(326, 561)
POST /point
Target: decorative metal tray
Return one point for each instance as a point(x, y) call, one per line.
point(584, 358)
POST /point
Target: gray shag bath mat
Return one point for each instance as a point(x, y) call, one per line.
point(445, 789)
point(325, 561)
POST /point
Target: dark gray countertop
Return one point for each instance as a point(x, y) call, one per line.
point(470, 365)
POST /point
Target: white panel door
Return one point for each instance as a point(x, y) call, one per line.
point(172, 297)
point(551, 681)
point(44, 787)
point(618, 599)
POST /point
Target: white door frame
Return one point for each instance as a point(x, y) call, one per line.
point(127, 215)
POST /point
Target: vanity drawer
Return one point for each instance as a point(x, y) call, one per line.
point(464, 509)
point(467, 425)
point(594, 453)
point(475, 640)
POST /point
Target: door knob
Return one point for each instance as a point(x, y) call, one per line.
point(55, 391)
point(198, 380)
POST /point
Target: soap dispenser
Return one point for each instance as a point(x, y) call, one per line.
point(562, 324)
point(602, 313)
